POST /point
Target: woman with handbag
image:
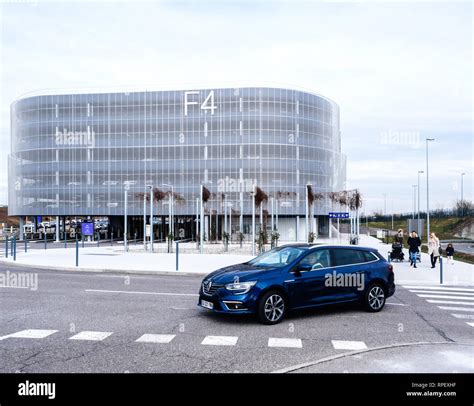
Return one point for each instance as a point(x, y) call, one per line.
point(433, 249)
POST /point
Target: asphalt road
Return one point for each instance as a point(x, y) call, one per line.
point(409, 335)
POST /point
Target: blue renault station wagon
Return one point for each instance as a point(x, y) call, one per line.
point(299, 276)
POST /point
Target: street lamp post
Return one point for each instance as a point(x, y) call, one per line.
point(462, 194)
point(418, 208)
point(307, 211)
point(414, 200)
point(151, 216)
point(125, 225)
point(170, 209)
point(253, 219)
point(201, 222)
point(144, 221)
point(427, 193)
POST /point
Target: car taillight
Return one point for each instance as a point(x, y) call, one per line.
point(390, 268)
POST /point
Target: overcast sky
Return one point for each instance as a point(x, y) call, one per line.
point(399, 72)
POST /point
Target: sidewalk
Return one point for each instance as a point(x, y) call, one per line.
point(459, 274)
point(113, 259)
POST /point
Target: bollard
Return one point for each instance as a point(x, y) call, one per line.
point(65, 239)
point(440, 269)
point(77, 252)
point(45, 240)
point(26, 245)
point(6, 246)
point(111, 238)
point(82, 239)
point(135, 238)
point(177, 256)
point(14, 248)
point(98, 240)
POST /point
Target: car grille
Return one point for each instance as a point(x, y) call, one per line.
point(209, 288)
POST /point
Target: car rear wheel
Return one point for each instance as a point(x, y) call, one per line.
point(375, 298)
point(271, 307)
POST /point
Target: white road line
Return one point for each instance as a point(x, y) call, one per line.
point(471, 324)
point(397, 304)
point(463, 316)
point(219, 340)
point(447, 297)
point(450, 302)
point(456, 309)
point(440, 292)
point(31, 333)
point(142, 293)
point(156, 338)
point(348, 345)
point(439, 288)
point(285, 342)
point(91, 335)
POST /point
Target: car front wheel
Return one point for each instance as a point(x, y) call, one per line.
point(375, 298)
point(271, 307)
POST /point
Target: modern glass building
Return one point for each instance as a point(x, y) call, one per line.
point(74, 155)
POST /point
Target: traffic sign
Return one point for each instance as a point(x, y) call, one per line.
point(87, 228)
point(338, 215)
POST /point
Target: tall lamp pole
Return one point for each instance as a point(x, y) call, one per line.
point(170, 209)
point(418, 228)
point(150, 187)
point(462, 194)
point(125, 225)
point(427, 192)
point(414, 200)
point(254, 191)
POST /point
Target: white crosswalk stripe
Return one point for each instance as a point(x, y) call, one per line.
point(463, 316)
point(91, 335)
point(442, 292)
point(450, 302)
point(156, 338)
point(448, 297)
point(219, 340)
point(444, 288)
point(456, 309)
point(31, 333)
point(285, 342)
point(348, 345)
point(470, 323)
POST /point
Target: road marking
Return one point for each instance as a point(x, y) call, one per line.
point(447, 297)
point(439, 288)
point(450, 302)
point(463, 316)
point(142, 293)
point(471, 324)
point(91, 335)
point(156, 338)
point(397, 304)
point(442, 292)
point(31, 333)
point(348, 345)
point(458, 309)
point(219, 340)
point(285, 342)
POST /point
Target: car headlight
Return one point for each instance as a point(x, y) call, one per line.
point(240, 287)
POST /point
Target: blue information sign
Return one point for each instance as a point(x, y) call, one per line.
point(338, 215)
point(87, 228)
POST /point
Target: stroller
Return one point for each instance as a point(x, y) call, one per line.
point(397, 252)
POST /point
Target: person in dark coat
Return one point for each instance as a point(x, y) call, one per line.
point(450, 253)
point(414, 243)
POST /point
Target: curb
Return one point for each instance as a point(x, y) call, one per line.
point(101, 270)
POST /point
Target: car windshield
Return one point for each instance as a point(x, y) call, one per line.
point(278, 257)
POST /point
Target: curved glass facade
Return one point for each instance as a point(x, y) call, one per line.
point(72, 154)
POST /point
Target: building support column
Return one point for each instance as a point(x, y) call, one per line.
point(57, 229)
point(22, 223)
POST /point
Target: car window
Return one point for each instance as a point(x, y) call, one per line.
point(348, 256)
point(277, 257)
point(317, 260)
point(368, 256)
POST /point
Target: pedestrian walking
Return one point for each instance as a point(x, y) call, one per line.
point(433, 249)
point(414, 243)
point(450, 253)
